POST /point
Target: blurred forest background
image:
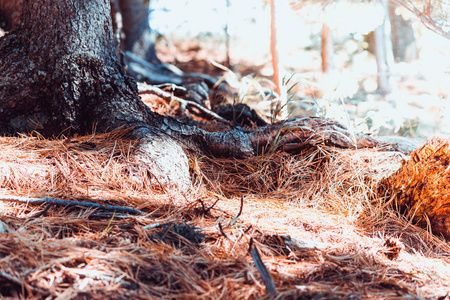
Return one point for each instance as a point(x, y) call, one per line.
point(378, 70)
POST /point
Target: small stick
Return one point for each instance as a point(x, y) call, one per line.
point(248, 228)
point(223, 232)
point(159, 182)
point(203, 206)
point(110, 158)
point(212, 206)
point(241, 207)
point(12, 278)
point(61, 202)
point(267, 278)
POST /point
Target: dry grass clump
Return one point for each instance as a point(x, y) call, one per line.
point(315, 218)
point(421, 187)
point(262, 175)
point(340, 180)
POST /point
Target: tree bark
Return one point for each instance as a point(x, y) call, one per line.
point(60, 75)
point(10, 11)
point(384, 52)
point(327, 52)
point(62, 71)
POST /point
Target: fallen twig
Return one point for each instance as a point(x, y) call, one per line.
point(156, 225)
point(211, 207)
point(150, 89)
point(222, 232)
point(241, 207)
point(267, 278)
point(61, 202)
point(12, 278)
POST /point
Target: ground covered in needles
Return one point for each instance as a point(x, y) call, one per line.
point(314, 221)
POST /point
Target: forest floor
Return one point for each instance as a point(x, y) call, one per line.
point(314, 220)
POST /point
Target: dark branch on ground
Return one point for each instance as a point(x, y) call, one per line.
point(267, 278)
point(60, 202)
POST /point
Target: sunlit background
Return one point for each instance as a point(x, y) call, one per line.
point(417, 105)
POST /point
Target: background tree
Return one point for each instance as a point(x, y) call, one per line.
point(137, 35)
point(402, 33)
point(327, 50)
point(384, 52)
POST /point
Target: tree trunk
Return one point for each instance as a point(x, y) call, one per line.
point(134, 33)
point(63, 77)
point(227, 35)
point(403, 40)
point(384, 52)
point(138, 37)
point(327, 49)
point(63, 71)
point(274, 48)
point(280, 111)
point(60, 75)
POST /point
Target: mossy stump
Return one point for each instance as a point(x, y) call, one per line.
point(421, 187)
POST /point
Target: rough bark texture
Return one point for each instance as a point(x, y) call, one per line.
point(421, 187)
point(59, 74)
point(10, 11)
point(62, 72)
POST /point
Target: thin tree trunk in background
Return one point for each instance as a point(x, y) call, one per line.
point(138, 37)
point(280, 110)
point(227, 36)
point(273, 47)
point(327, 49)
point(116, 17)
point(403, 39)
point(384, 53)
